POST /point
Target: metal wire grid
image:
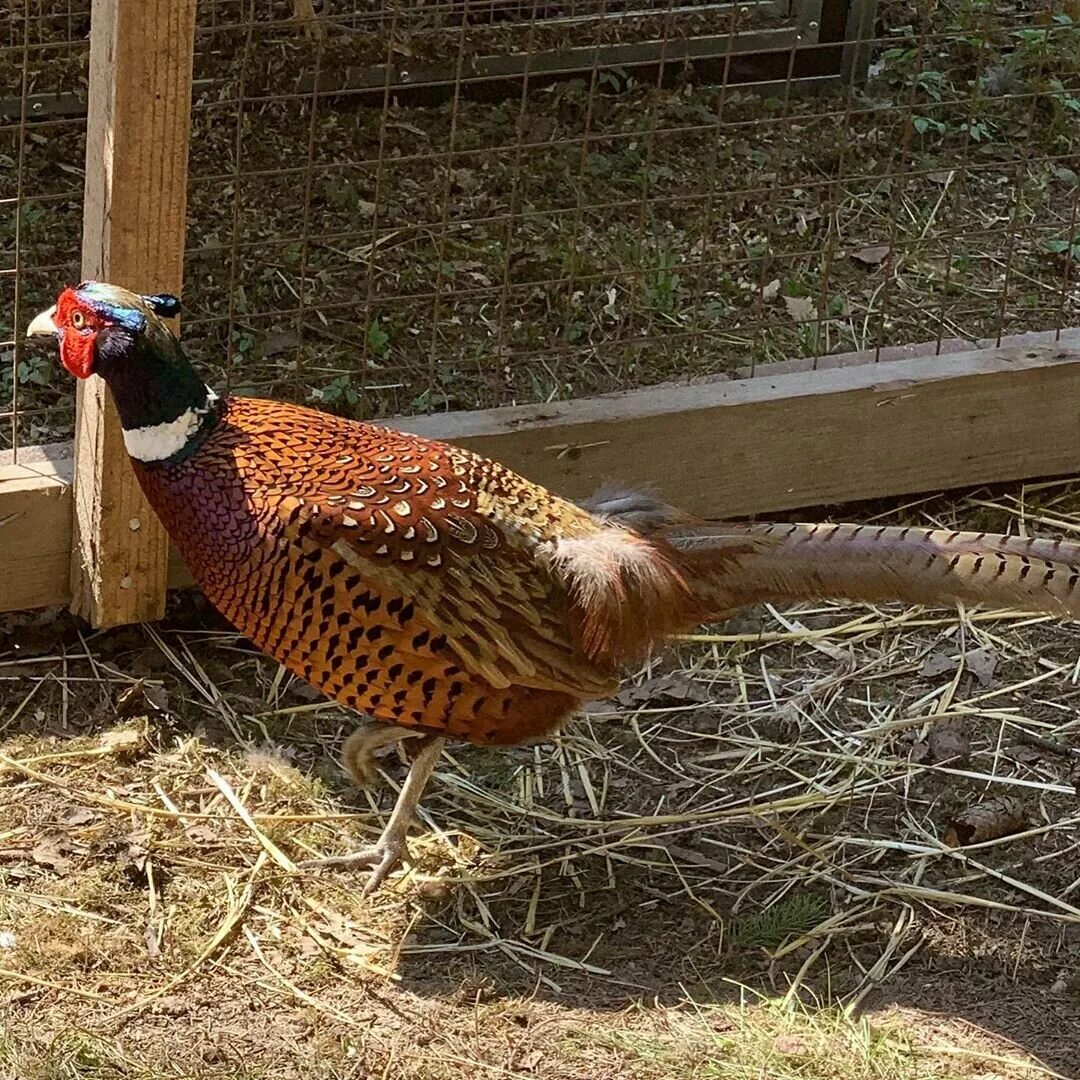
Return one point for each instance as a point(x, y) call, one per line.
point(43, 51)
point(477, 244)
point(351, 188)
point(522, 239)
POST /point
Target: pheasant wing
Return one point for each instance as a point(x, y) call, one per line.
point(472, 557)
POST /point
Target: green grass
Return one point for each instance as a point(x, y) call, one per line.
point(777, 1039)
point(767, 1038)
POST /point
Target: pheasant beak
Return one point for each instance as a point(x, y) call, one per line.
point(43, 324)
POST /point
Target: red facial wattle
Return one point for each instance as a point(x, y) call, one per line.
point(78, 329)
point(77, 351)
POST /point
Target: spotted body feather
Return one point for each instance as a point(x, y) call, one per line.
point(404, 578)
point(441, 592)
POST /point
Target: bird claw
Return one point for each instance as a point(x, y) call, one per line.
point(383, 858)
point(386, 858)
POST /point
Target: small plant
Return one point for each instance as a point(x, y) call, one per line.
point(378, 340)
point(1066, 100)
point(1070, 248)
point(35, 371)
point(933, 83)
point(339, 391)
point(923, 124)
point(979, 130)
point(768, 929)
point(663, 284)
point(243, 343)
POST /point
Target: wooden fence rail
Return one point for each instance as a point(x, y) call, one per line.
point(854, 430)
point(74, 528)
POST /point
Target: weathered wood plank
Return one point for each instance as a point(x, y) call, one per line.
point(35, 529)
point(775, 443)
point(569, 61)
point(133, 235)
point(723, 448)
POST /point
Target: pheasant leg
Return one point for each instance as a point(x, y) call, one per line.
point(358, 750)
point(390, 849)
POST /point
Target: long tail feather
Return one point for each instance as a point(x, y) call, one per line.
point(729, 566)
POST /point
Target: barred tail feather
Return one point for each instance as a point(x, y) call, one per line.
point(729, 566)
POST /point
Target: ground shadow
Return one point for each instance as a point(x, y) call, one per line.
point(654, 923)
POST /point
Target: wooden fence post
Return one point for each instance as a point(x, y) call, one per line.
point(134, 220)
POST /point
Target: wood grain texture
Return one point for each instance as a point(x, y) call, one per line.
point(720, 449)
point(775, 443)
point(133, 235)
point(35, 528)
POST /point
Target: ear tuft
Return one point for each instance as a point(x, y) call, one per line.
point(164, 304)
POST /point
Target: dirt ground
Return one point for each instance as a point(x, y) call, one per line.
point(737, 869)
point(697, 878)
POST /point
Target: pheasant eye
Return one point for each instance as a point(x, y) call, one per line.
point(78, 320)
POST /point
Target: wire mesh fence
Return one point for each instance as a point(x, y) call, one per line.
point(404, 207)
point(43, 57)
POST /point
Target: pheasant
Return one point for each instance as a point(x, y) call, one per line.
point(439, 592)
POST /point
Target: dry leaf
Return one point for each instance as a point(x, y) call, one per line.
point(305, 691)
point(138, 847)
point(873, 255)
point(282, 342)
point(919, 752)
point(938, 663)
point(142, 697)
point(123, 740)
point(81, 815)
point(664, 689)
point(771, 291)
point(790, 1046)
point(531, 1061)
point(948, 743)
point(50, 853)
point(982, 663)
point(800, 308)
point(201, 834)
point(172, 1005)
point(1025, 753)
point(987, 821)
point(308, 947)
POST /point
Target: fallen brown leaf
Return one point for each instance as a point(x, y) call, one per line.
point(669, 689)
point(123, 740)
point(800, 308)
point(873, 255)
point(919, 753)
point(982, 663)
point(987, 821)
point(948, 743)
point(49, 852)
point(142, 697)
point(938, 663)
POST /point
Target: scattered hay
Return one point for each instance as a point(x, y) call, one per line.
point(775, 814)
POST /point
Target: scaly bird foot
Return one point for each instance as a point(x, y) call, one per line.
point(390, 849)
point(383, 858)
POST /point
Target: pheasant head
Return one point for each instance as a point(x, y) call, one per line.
point(165, 408)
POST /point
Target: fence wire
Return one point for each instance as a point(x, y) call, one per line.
point(43, 58)
point(401, 207)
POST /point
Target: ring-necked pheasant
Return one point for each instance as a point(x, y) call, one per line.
point(444, 594)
